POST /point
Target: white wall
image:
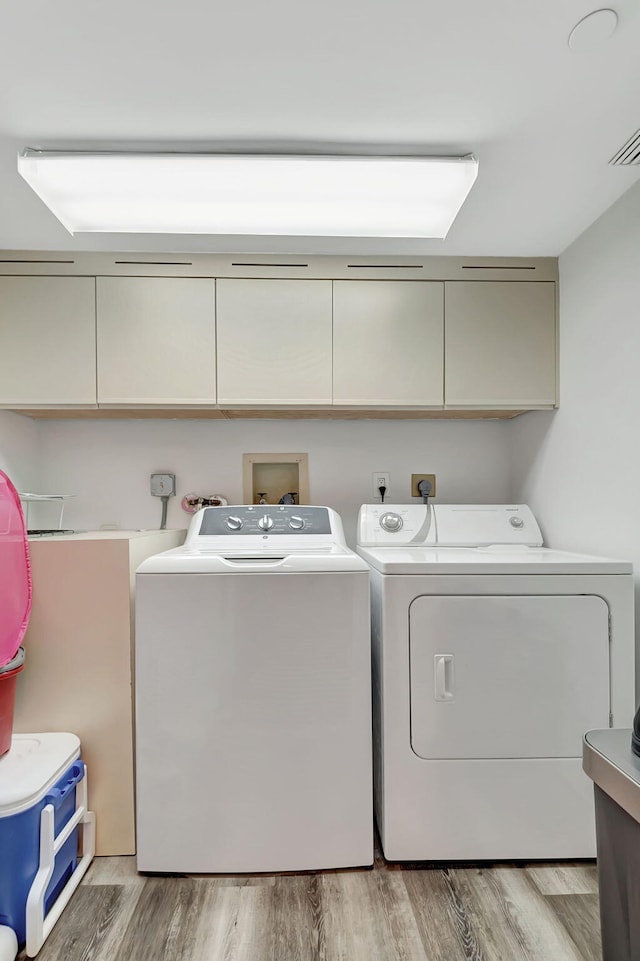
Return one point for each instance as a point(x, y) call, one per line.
point(579, 467)
point(19, 450)
point(107, 463)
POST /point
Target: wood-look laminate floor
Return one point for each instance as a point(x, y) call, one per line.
point(391, 913)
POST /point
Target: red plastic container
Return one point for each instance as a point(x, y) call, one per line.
point(8, 677)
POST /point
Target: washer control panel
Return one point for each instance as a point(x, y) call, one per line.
point(265, 519)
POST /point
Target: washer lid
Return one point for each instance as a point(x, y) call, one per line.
point(256, 539)
point(32, 766)
point(255, 558)
point(496, 559)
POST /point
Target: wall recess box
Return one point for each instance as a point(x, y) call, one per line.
point(270, 476)
point(415, 480)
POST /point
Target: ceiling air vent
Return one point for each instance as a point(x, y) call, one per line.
point(498, 267)
point(629, 154)
point(385, 266)
point(257, 263)
point(154, 263)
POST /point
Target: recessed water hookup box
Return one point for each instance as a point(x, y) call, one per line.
point(267, 478)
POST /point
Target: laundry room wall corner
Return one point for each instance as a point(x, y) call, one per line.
point(19, 450)
point(579, 468)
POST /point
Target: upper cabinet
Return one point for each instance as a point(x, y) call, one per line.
point(500, 344)
point(341, 337)
point(388, 343)
point(47, 341)
point(156, 341)
point(274, 342)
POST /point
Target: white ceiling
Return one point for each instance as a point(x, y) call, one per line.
point(495, 77)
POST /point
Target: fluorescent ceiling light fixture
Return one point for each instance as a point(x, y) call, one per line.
point(253, 194)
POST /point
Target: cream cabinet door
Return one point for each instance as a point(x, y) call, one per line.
point(274, 342)
point(388, 343)
point(500, 344)
point(156, 340)
point(47, 341)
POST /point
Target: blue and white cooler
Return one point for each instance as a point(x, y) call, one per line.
point(47, 836)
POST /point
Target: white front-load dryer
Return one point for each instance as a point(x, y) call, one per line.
point(492, 655)
point(253, 705)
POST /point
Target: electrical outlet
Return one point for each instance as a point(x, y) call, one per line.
point(381, 478)
point(163, 485)
point(415, 480)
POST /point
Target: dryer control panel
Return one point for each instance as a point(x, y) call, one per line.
point(447, 525)
point(396, 524)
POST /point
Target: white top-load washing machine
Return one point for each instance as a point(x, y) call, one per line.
point(492, 656)
point(253, 703)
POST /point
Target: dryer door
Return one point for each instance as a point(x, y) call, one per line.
point(508, 676)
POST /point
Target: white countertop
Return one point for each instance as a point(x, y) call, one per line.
point(101, 535)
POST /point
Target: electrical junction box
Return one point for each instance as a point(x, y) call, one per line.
point(163, 485)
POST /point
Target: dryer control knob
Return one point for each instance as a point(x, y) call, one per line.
point(234, 523)
point(516, 522)
point(391, 522)
point(297, 523)
point(265, 523)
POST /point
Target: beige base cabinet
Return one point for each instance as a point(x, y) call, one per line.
point(78, 672)
point(388, 343)
point(156, 340)
point(47, 341)
point(274, 342)
point(500, 344)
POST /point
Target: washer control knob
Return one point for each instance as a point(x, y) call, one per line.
point(265, 523)
point(234, 523)
point(297, 523)
point(391, 522)
point(516, 522)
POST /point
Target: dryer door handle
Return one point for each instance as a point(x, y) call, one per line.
point(443, 676)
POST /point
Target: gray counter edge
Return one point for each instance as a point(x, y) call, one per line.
point(610, 778)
